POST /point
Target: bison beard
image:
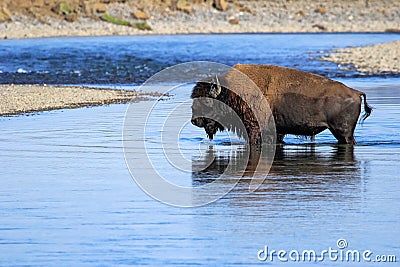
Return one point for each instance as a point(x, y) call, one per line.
point(210, 126)
point(302, 103)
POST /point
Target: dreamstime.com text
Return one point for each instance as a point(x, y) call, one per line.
point(339, 254)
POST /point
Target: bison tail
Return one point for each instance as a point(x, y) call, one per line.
point(367, 108)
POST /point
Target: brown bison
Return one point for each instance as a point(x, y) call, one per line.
point(302, 103)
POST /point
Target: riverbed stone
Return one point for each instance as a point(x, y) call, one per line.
point(183, 6)
point(233, 21)
point(99, 8)
point(140, 15)
point(321, 10)
point(221, 5)
point(5, 15)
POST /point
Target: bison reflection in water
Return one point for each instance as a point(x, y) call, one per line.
point(304, 161)
point(302, 103)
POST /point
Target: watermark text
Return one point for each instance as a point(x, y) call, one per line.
point(338, 254)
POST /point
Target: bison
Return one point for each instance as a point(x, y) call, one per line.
point(301, 103)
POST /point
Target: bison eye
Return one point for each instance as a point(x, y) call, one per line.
point(207, 102)
point(203, 102)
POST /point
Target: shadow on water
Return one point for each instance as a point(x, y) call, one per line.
point(308, 170)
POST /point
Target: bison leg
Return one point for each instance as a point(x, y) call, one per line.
point(343, 137)
point(343, 122)
point(343, 127)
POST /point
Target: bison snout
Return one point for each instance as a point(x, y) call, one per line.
point(199, 122)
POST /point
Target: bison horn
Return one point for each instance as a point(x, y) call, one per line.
point(215, 90)
point(219, 88)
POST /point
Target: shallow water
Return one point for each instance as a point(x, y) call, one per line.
point(67, 197)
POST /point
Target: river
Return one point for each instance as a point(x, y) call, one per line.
point(67, 196)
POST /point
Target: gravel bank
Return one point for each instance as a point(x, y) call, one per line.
point(238, 17)
point(17, 99)
point(379, 58)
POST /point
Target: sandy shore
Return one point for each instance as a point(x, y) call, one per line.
point(238, 17)
point(18, 99)
point(379, 58)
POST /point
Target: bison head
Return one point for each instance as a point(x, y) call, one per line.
point(233, 102)
point(207, 110)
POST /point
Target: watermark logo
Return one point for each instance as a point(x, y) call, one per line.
point(340, 253)
point(341, 243)
point(138, 137)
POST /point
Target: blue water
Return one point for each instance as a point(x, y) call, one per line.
point(132, 60)
point(68, 199)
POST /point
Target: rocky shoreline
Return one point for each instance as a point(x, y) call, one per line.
point(21, 99)
point(375, 59)
point(51, 18)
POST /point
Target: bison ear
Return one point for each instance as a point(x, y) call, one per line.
point(215, 89)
